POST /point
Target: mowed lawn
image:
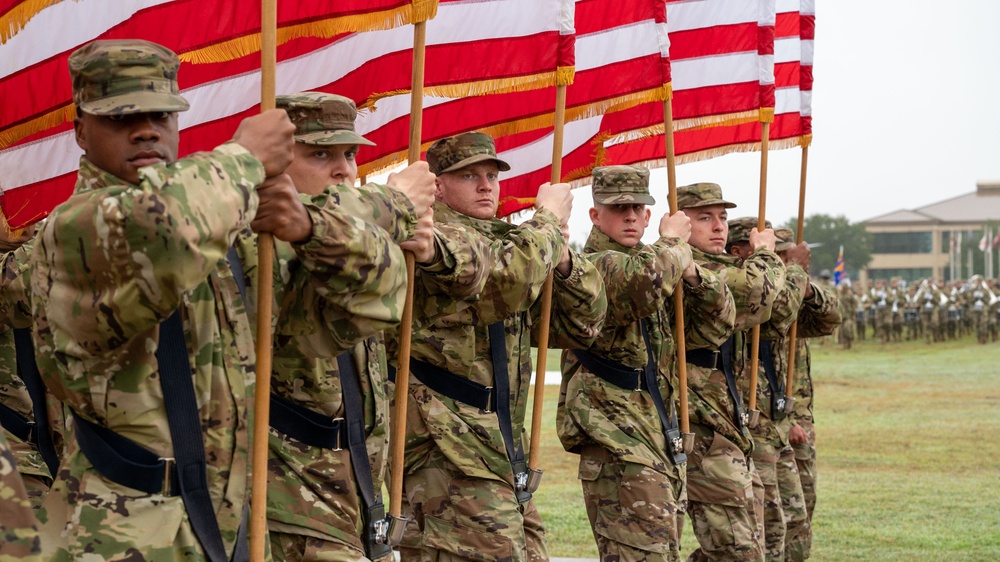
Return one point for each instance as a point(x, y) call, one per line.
point(909, 456)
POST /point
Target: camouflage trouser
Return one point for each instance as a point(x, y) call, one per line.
point(721, 500)
point(765, 457)
point(465, 518)
point(798, 530)
point(636, 513)
point(805, 458)
point(299, 548)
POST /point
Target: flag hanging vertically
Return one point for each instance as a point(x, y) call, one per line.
point(838, 271)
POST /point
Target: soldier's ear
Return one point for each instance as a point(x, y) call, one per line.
point(594, 217)
point(649, 214)
point(80, 133)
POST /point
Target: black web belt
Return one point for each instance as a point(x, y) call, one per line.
point(38, 431)
point(726, 352)
point(627, 378)
point(317, 430)
point(125, 462)
point(486, 398)
point(777, 385)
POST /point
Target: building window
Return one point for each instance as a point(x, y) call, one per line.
point(909, 275)
point(901, 242)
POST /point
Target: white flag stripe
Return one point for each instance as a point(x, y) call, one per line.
point(806, 107)
point(733, 68)
point(807, 47)
point(615, 45)
point(699, 14)
point(787, 100)
point(807, 7)
point(787, 49)
point(49, 157)
point(783, 6)
point(63, 26)
point(537, 155)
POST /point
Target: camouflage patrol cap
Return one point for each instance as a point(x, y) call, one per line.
point(739, 229)
point(323, 119)
point(621, 185)
point(454, 153)
point(701, 195)
point(124, 76)
point(786, 239)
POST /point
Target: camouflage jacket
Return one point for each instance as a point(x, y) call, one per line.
point(15, 312)
point(113, 262)
point(639, 282)
point(312, 378)
point(754, 284)
point(775, 332)
point(819, 316)
point(18, 526)
point(456, 339)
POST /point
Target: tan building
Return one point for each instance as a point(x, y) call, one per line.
point(915, 244)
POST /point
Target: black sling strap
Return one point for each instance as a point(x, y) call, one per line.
point(374, 537)
point(186, 433)
point(28, 371)
point(18, 425)
point(727, 350)
point(777, 385)
point(675, 445)
point(501, 382)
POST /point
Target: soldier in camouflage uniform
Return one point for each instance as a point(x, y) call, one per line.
point(144, 235)
point(465, 478)
point(725, 516)
point(772, 455)
point(817, 316)
point(632, 475)
point(848, 313)
point(16, 407)
point(18, 527)
point(332, 520)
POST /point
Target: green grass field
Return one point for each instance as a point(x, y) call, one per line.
point(909, 456)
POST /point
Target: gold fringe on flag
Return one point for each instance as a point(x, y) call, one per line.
point(424, 10)
point(14, 21)
point(325, 28)
point(767, 115)
point(565, 75)
point(805, 140)
point(45, 121)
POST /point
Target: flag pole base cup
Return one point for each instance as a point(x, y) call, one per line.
point(688, 442)
point(789, 405)
point(754, 419)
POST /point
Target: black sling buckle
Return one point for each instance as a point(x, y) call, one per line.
point(705, 358)
point(27, 369)
point(675, 444)
point(777, 386)
point(726, 352)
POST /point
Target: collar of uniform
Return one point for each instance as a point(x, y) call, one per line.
point(724, 259)
point(598, 241)
point(91, 178)
point(492, 228)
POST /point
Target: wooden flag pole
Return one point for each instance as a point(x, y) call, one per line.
point(546, 312)
point(265, 288)
point(668, 138)
point(398, 435)
point(755, 334)
point(793, 334)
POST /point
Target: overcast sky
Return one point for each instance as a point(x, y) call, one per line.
point(906, 112)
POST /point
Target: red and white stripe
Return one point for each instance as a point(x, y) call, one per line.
point(38, 169)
